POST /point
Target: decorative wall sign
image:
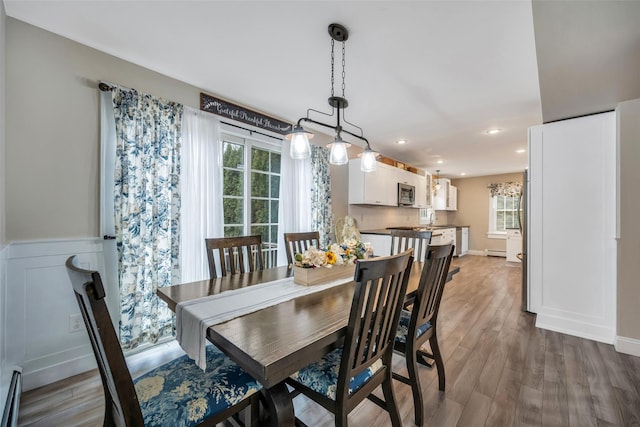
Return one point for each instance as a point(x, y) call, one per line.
point(227, 109)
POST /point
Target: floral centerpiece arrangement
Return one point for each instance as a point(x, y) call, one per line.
point(311, 266)
point(337, 254)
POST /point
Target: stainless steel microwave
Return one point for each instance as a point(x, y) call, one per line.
point(406, 194)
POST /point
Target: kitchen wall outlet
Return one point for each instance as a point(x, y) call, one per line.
point(75, 322)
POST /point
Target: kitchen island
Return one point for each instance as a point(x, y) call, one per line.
point(380, 238)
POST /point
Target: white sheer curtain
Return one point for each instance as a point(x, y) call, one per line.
point(201, 182)
point(294, 211)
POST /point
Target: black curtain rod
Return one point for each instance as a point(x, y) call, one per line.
point(251, 132)
point(104, 87)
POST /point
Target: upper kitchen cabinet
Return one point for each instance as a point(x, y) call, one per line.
point(379, 187)
point(429, 196)
point(446, 198)
point(452, 205)
point(423, 191)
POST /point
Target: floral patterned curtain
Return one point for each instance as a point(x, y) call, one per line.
point(321, 213)
point(509, 189)
point(147, 211)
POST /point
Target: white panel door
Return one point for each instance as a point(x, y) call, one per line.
point(572, 226)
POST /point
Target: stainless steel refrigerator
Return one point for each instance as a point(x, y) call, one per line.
point(523, 220)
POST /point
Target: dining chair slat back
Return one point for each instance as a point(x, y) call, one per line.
point(419, 240)
point(300, 242)
point(121, 401)
point(419, 325)
point(380, 287)
point(215, 392)
point(233, 255)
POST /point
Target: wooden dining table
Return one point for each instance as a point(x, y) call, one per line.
point(275, 342)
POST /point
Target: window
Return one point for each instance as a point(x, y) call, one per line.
point(503, 214)
point(251, 194)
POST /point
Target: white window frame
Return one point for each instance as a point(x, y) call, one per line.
point(493, 207)
point(249, 140)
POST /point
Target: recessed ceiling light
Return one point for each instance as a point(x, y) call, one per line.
point(463, 173)
point(493, 131)
point(401, 141)
point(522, 150)
point(440, 162)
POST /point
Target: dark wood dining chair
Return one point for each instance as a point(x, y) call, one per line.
point(420, 324)
point(300, 242)
point(343, 378)
point(234, 255)
point(401, 240)
point(204, 398)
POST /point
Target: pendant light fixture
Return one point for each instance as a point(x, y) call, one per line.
point(438, 186)
point(300, 148)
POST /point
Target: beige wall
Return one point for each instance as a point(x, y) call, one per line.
point(53, 131)
point(629, 242)
point(473, 209)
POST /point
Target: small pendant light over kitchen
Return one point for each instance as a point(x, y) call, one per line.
point(300, 148)
point(438, 180)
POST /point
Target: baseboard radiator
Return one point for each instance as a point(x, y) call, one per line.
point(495, 252)
point(10, 413)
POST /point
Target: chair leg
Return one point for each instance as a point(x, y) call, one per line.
point(416, 389)
point(255, 410)
point(390, 399)
point(341, 418)
point(438, 358)
point(425, 358)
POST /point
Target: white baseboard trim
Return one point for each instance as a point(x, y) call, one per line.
point(60, 371)
point(627, 346)
point(575, 328)
point(474, 252)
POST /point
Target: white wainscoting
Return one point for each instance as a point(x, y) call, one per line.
point(39, 301)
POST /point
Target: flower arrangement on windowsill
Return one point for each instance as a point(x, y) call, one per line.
point(315, 265)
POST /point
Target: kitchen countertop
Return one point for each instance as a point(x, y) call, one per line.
point(387, 231)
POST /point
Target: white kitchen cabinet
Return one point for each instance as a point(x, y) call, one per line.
point(440, 196)
point(446, 198)
point(514, 245)
point(422, 191)
point(379, 187)
point(447, 235)
point(381, 243)
point(452, 204)
point(462, 241)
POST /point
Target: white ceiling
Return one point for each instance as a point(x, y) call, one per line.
point(437, 73)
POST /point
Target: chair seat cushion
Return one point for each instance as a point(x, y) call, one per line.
point(322, 376)
point(403, 327)
point(179, 393)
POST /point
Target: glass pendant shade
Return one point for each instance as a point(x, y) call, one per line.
point(368, 160)
point(338, 155)
point(300, 147)
point(437, 186)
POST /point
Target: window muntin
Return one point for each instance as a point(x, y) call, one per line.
point(504, 214)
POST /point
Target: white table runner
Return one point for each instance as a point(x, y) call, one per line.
point(194, 317)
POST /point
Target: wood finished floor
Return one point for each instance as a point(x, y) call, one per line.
point(500, 370)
